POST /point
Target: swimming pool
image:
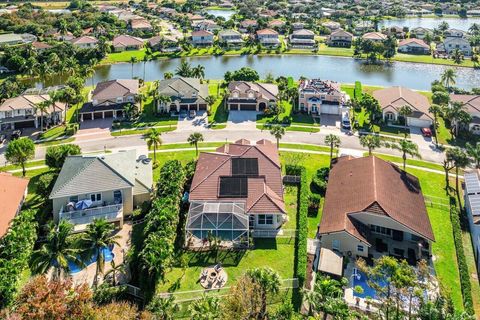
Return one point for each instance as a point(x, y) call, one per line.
point(360, 279)
point(107, 252)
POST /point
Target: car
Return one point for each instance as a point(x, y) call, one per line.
point(346, 121)
point(192, 114)
point(426, 132)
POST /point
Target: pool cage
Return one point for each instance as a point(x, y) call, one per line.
point(224, 220)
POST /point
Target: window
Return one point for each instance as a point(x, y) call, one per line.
point(117, 196)
point(269, 219)
point(265, 219)
point(381, 230)
point(360, 248)
point(119, 99)
point(336, 245)
point(73, 199)
point(96, 197)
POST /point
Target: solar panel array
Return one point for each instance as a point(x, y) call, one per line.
point(472, 183)
point(245, 166)
point(475, 204)
point(233, 187)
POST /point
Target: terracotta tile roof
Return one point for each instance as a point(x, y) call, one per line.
point(267, 31)
point(201, 33)
point(12, 193)
point(470, 101)
point(262, 90)
point(265, 191)
point(415, 41)
point(84, 39)
point(369, 183)
point(126, 40)
point(115, 88)
point(397, 97)
point(41, 45)
point(374, 36)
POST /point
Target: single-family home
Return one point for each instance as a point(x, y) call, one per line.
point(207, 25)
point(248, 25)
point(363, 26)
point(331, 25)
point(184, 93)
point(373, 208)
point(9, 39)
point(108, 186)
point(340, 38)
point(140, 25)
point(164, 43)
point(13, 191)
point(450, 44)
point(471, 104)
point(302, 38)
point(321, 97)
point(109, 99)
point(421, 32)
point(374, 36)
point(22, 112)
point(41, 46)
point(276, 24)
point(392, 99)
point(202, 38)
point(235, 190)
point(395, 31)
point(268, 38)
point(85, 42)
point(298, 25)
point(230, 38)
point(251, 96)
point(456, 33)
point(472, 206)
point(126, 42)
point(413, 45)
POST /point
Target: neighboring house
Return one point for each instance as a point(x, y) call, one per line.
point(276, 24)
point(321, 97)
point(331, 25)
point(207, 25)
point(184, 94)
point(471, 104)
point(472, 206)
point(202, 38)
point(109, 99)
point(298, 25)
point(105, 186)
point(164, 43)
point(393, 98)
point(268, 38)
point(230, 38)
point(374, 36)
point(373, 208)
point(13, 192)
point(141, 25)
point(126, 42)
point(85, 42)
point(450, 44)
point(395, 31)
point(235, 190)
point(302, 38)
point(41, 46)
point(421, 33)
point(456, 33)
point(363, 26)
point(9, 39)
point(21, 112)
point(340, 38)
point(247, 25)
point(415, 46)
point(251, 96)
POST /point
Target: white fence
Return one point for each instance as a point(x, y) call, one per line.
point(281, 233)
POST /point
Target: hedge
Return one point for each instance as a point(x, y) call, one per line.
point(357, 91)
point(302, 225)
point(462, 261)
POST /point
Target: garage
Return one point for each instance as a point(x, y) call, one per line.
point(98, 115)
point(193, 107)
point(248, 107)
point(24, 124)
point(184, 107)
point(233, 106)
point(421, 123)
point(202, 107)
point(329, 109)
point(87, 116)
point(108, 114)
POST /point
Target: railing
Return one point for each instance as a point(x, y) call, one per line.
point(91, 212)
point(281, 233)
point(291, 179)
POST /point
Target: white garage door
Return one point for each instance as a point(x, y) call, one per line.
point(414, 122)
point(329, 109)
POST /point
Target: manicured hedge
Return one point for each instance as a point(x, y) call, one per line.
point(302, 225)
point(461, 260)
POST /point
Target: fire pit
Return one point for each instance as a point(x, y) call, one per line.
point(213, 277)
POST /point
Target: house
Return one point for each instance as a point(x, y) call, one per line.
point(412, 45)
point(184, 94)
point(13, 191)
point(456, 33)
point(374, 36)
point(230, 38)
point(207, 25)
point(395, 31)
point(109, 99)
point(421, 33)
point(331, 25)
point(393, 98)
point(10, 39)
point(276, 24)
point(321, 97)
point(302, 38)
point(108, 186)
point(472, 202)
point(235, 190)
point(340, 38)
point(363, 26)
point(248, 26)
point(450, 44)
point(41, 46)
point(85, 42)
point(268, 38)
point(140, 25)
point(164, 43)
point(126, 42)
point(298, 25)
point(471, 104)
point(251, 96)
point(373, 208)
point(194, 18)
point(202, 38)
point(21, 112)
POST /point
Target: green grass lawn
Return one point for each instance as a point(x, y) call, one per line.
point(29, 164)
point(53, 133)
point(218, 112)
point(412, 162)
point(468, 248)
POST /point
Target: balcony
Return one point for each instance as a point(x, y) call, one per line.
point(81, 218)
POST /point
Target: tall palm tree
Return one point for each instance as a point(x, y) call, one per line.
point(269, 282)
point(448, 78)
point(133, 60)
point(460, 160)
point(43, 108)
point(435, 109)
point(407, 147)
point(198, 71)
point(205, 308)
point(194, 139)
point(405, 111)
point(60, 248)
point(334, 142)
point(184, 69)
point(278, 131)
point(89, 72)
point(457, 115)
point(210, 100)
point(163, 100)
point(473, 151)
point(99, 235)
point(371, 142)
point(153, 139)
point(147, 57)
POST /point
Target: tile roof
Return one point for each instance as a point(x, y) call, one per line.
point(267, 31)
point(358, 184)
point(126, 40)
point(415, 41)
point(397, 97)
point(84, 39)
point(201, 33)
point(263, 90)
point(178, 87)
point(470, 101)
point(29, 101)
point(115, 88)
point(374, 36)
point(12, 192)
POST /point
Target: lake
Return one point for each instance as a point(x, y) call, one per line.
point(224, 13)
point(345, 70)
point(431, 23)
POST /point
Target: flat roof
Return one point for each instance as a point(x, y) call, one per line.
point(330, 262)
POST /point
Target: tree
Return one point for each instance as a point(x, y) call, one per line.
point(327, 297)
point(184, 69)
point(457, 115)
point(115, 269)
point(460, 160)
point(20, 151)
point(44, 184)
point(457, 56)
point(210, 100)
point(96, 239)
point(406, 147)
point(405, 111)
point(168, 75)
point(205, 308)
point(133, 60)
point(473, 151)
point(269, 283)
point(43, 108)
point(163, 308)
point(371, 106)
point(244, 300)
point(278, 131)
point(194, 139)
point(153, 139)
point(334, 142)
point(130, 111)
point(371, 142)
point(147, 57)
point(243, 74)
point(56, 155)
point(163, 100)
point(441, 98)
point(448, 78)
point(198, 72)
point(60, 248)
point(435, 109)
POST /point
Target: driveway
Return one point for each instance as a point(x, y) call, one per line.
point(423, 143)
point(92, 129)
point(330, 121)
point(242, 120)
point(198, 123)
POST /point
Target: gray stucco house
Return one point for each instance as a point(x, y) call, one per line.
point(184, 94)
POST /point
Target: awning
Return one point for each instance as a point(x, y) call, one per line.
point(330, 262)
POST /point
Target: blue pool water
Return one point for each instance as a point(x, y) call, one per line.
point(360, 279)
point(107, 252)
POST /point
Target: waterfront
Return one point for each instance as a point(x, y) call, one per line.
point(431, 23)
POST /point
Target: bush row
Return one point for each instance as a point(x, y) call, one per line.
point(462, 261)
point(302, 225)
point(15, 250)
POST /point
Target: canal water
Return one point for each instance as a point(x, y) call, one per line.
point(431, 23)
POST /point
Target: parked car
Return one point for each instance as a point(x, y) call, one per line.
point(15, 134)
point(192, 114)
point(426, 132)
point(346, 121)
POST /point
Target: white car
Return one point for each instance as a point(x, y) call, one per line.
point(346, 121)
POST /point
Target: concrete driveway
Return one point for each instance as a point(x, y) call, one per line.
point(198, 123)
point(242, 120)
point(422, 142)
point(97, 128)
point(330, 121)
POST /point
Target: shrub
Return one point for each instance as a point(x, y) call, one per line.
point(314, 202)
point(357, 91)
point(302, 227)
point(56, 155)
point(292, 170)
point(45, 184)
point(105, 293)
point(319, 180)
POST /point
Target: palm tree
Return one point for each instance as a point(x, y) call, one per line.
point(457, 115)
point(205, 308)
point(473, 151)
point(133, 60)
point(130, 110)
point(334, 142)
point(97, 238)
point(114, 270)
point(278, 131)
point(210, 100)
point(168, 75)
point(448, 78)
point(198, 72)
point(59, 248)
point(405, 111)
point(460, 160)
point(269, 282)
point(407, 147)
point(153, 139)
point(43, 108)
point(371, 142)
point(184, 69)
point(435, 109)
point(457, 56)
point(147, 57)
point(194, 139)
point(89, 72)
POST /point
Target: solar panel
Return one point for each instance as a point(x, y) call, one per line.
point(233, 187)
point(472, 183)
point(245, 166)
point(474, 204)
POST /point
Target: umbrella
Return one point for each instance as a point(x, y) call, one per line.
point(83, 204)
